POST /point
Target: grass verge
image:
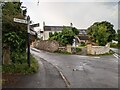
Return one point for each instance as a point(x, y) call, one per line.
point(21, 68)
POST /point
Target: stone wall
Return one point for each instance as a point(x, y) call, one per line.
point(46, 45)
point(6, 55)
point(95, 50)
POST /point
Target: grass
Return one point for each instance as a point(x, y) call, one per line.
point(21, 68)
point(81, 46)
point(63, 52)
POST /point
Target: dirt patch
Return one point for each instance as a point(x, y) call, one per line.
point(10, 78)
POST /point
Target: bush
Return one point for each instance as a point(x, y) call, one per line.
point(114, 45)
point(21, 68)
point(76, 50)
point(18, 58)
point(82, 44)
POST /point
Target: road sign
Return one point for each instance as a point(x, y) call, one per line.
point(34, 25)
point(20, 20)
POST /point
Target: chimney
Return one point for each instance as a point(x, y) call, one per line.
point(43, 24)
point(71, 24)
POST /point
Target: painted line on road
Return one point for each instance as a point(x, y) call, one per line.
point(115, 55)
point(89, 57)
point(64, 78)
point(61, 74)
point(96, 57)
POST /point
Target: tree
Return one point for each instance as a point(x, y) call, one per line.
point(76, 32)
point(102, 32)
point(66, 36)
point(13, 34)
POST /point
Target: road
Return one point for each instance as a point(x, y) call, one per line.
point(46, 77)
point(116, 50)
point(83, 71)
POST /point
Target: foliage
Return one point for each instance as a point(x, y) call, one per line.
point(102, 32)
point(82, 44)
point(114, 45)
point(63, 52)
point(18, 58)
point(76, 32)
point(50, 34)
point(21, 68)
point(118, 38)
point(76, 50)
point(64, 37)
point(13, 34)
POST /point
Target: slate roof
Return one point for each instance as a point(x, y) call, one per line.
point(83, 31)
point(54, 28)
point(83, 37)
point(60, 28)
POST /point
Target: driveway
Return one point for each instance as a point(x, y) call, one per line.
point(83, 71)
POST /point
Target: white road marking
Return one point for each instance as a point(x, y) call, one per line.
point(96, 57)
point(89, 56)
point(115, 55)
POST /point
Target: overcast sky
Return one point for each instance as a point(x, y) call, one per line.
point(82, 13)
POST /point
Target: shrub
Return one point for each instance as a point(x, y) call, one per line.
point(76, 50)
point(21, 68)
point(82, 44)
point(114, 45)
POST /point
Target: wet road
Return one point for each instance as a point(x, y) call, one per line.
point(46, 77)
point(84, 71)
point(116, 50)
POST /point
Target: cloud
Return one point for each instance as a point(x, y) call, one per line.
point(81, 14)
point(70, 0)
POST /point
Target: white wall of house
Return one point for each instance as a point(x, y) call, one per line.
point(46, 34)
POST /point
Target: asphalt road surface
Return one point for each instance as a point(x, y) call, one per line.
point(116, 50)
point(47, 77)
point(81, 71)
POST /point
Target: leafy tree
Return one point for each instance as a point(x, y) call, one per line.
point(76, 32)
point(13, 34)
point(102, 32)
point(66, 36)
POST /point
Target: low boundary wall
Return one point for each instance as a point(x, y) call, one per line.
point(95, 50)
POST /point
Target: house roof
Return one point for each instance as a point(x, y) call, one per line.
point(60, 28)
point(83, 37)
point(82, 31)
point(54, 28)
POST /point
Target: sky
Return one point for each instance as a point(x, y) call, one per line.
point(81, 13)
